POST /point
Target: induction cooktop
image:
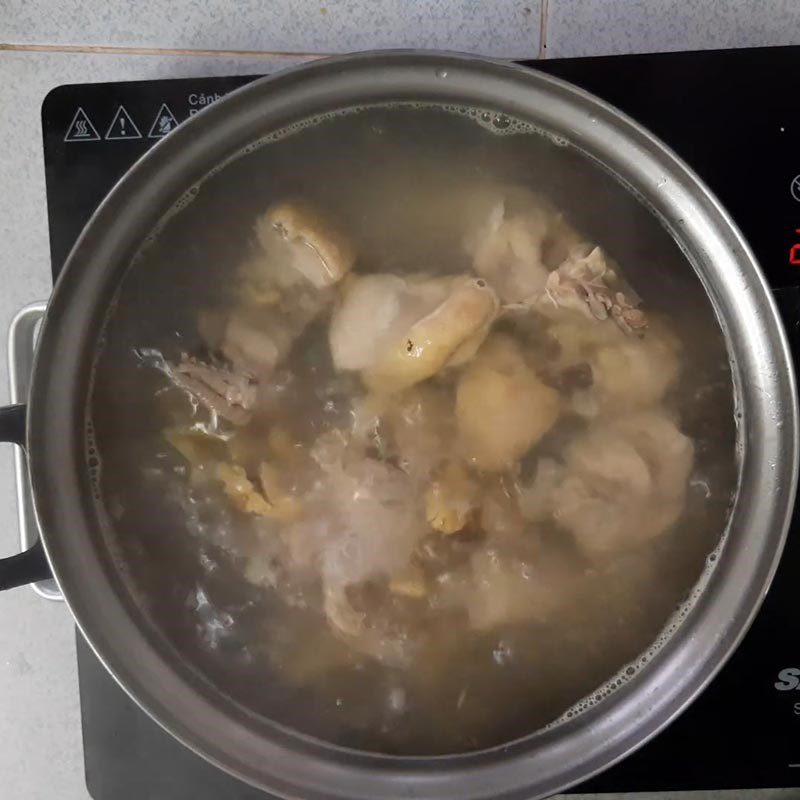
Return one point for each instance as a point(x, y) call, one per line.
point(734, 116)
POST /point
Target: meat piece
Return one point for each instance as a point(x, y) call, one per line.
point(513, 245)
point(230, 394)
point(362, 518)
point(625, 482)
point(448, 336)
point(272, 500)
point(669, 454)
point(241, 491)
point(374, 310)
point(611, 461)
point(399, 331)
point(585, 283)
point(258, 340)
point(320, 252)
point(507, 252)
point(636, 373)
point(576, 338)
point(502, 407)
point(283, 287)
point(451, 498)
point(366, 499)
point(224, 392)
point(370, 635)
point(627, 372)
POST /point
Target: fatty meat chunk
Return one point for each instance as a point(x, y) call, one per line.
point(317, 250)
point(518, 241)
point(400, 331)
point(625, 482)
point(502, 406)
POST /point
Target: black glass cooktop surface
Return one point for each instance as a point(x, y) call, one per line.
point(735, 117)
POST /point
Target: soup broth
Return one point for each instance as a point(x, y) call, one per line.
point(414, 429)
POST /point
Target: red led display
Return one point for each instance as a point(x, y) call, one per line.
point(794, 253)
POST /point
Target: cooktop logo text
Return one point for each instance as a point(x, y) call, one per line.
point(788, 679)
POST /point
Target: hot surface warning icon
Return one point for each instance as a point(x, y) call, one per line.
point(122, 126)
point(81, 129)
point(163, 123)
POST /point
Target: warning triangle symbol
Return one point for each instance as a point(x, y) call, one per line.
point(122, 126)
point(81, 129)
point(163, 124)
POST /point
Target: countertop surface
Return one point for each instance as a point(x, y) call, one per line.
point(43, 45)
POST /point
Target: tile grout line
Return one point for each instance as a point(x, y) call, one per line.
point(545, 9)
point(154, 51)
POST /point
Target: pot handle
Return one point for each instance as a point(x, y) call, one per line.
point(30, 566)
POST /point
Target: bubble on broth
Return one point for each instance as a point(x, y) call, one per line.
point(199, 534)
point(558, 141)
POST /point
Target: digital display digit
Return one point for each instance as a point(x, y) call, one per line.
point(794, 253)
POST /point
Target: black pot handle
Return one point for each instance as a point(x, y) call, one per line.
point(30, 566)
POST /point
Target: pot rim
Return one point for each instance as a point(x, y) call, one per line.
point(275, 758)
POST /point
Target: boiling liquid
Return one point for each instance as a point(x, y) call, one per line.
point(394, 179)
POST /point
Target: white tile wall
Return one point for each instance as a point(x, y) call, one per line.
point(503, 28)
point(507, 28)
point(599, 27)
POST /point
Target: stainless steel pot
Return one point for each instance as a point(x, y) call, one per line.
point(280, 760)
